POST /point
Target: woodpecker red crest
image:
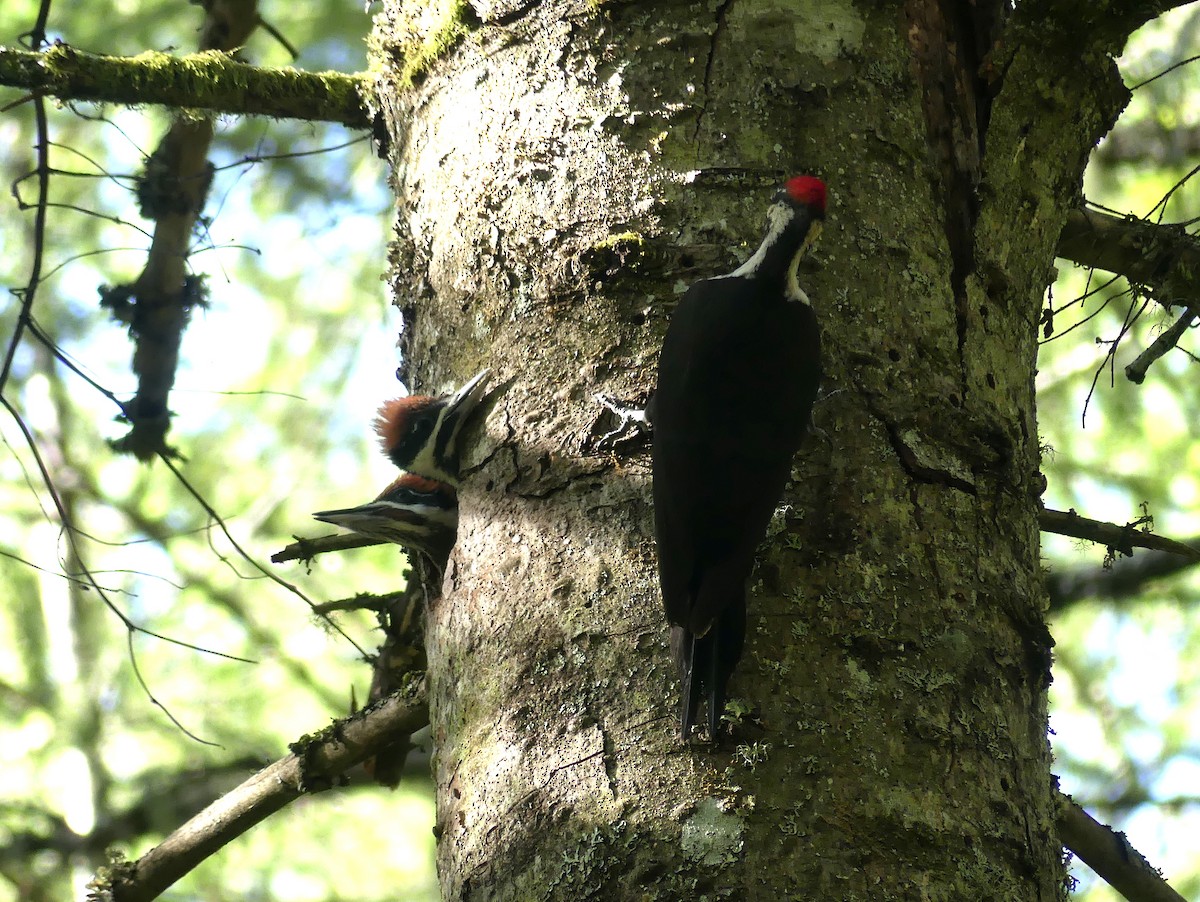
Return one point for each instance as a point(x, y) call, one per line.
point(807, 190)
point(413, 511)
point(737, 377)
point(420, 433)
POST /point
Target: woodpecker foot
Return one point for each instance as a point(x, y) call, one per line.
point(632, 424)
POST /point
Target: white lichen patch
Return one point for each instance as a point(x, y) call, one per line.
point(711, 835)
point(826, 30)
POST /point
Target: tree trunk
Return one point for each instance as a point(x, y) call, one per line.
point(562, 172)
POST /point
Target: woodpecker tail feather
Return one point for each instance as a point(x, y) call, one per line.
point(703, 674)
point(714, 687)
point(705, 665)
point(683, 650)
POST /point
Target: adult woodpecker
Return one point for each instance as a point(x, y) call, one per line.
point(737, 376)
point(413, 511)
point(420, 433)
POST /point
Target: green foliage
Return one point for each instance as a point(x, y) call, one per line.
point(279, 381)
point(1125, 734)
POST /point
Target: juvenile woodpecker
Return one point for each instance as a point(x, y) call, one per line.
point(738, 373)
point(413, 511)
point(420, 433)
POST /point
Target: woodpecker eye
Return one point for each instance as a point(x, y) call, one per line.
point(421, 430)
point(413, 441)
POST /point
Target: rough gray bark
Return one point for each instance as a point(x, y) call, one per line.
point(561, 174)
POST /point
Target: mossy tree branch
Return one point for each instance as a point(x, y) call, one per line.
point(207, 81)
point(316, 763)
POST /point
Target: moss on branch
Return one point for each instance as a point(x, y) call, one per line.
point(210, 81)
point(418, 37)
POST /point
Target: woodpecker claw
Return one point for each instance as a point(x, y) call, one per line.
point(633, 424)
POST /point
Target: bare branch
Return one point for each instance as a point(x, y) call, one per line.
point(1120, 579)
point(365, 601)
point(1136, 371)
point(314, 765)
point(1149, 145)
point(1111, 856)
point(1121, 538)
point(1163, 257)
point(204, 81)
point(307, 549)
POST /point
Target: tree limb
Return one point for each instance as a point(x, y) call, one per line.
point(206, 81)
point(1110, 855)
point(306, 549)
point(1121, 538)
point(1120, 579)
point(1149, 144)
point(314, 765)
point(1164, 257)
point(1136, 371)
point(1100, 26)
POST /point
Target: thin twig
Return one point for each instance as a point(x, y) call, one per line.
point(245, 555)
point(39, 239)
point(1136, 371)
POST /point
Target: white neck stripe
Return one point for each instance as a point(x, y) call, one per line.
point(778, 219)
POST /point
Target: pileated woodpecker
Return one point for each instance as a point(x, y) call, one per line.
point(413, 511)
point(420, 433)
point(419, 511)
point(738, 373)
point(420, 508)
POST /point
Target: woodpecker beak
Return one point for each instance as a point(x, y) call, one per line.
point(469, 394)
point(814, 232)
point(463, 401)
point(457, 411)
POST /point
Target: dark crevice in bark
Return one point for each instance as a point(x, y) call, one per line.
point(722, 12)
point(918, 470)
point(950, 42)
point(610, 761)
point(930, 558)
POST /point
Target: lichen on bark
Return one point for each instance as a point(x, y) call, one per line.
point(894, 734)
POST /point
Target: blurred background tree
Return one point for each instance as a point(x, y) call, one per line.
point(1124, 701)
point(279, 380)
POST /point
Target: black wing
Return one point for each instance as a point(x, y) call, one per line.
point(736, 383)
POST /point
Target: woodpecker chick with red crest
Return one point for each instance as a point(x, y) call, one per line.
point(737, 377)
point(419, 509)
point(413, 511)
point(420, 433)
